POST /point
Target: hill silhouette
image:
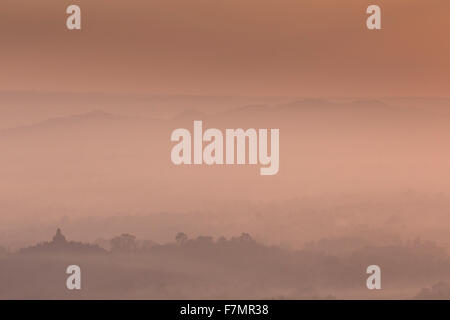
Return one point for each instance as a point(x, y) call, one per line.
point(60, 244)
point(239, 267)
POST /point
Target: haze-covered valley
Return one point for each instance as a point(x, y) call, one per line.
point(344, 164)
point(361, 181)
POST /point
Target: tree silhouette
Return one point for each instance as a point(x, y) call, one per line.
point(124, 243)
point(181, 238)
point(246, 237)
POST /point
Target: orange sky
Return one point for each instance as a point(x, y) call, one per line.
point(243, 47)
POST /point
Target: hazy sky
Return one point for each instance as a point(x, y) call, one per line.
point(245, 47)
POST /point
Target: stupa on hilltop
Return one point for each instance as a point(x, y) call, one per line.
point(59, 244)
point(58, 237)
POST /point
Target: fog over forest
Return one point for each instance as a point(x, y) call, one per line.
point(361, 182)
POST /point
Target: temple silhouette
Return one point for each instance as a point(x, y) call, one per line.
point(60, 244)
point(58, 237)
